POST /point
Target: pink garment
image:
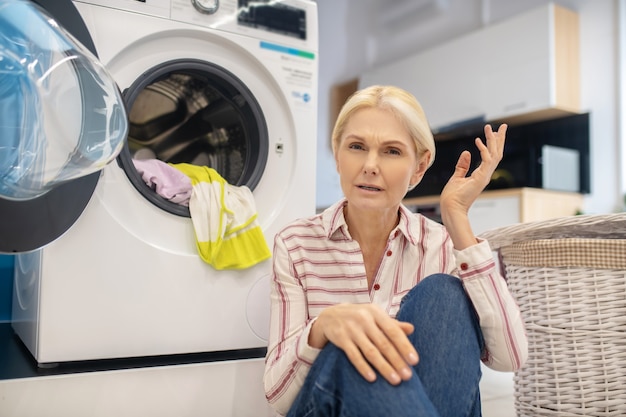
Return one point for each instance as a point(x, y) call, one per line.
point(167, 181)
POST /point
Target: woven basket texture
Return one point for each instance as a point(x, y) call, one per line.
point(568, 276)
point(595, 226)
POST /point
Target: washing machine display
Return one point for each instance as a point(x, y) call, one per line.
point(281, 18)
point(234, 90)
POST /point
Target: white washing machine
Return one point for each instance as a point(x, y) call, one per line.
point(231, 84)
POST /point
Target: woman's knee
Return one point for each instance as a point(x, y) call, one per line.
point(438, 295)
point(435, 287)
point(445, 283)
point(333, 362)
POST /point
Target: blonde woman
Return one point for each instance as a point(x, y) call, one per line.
point(378, 311)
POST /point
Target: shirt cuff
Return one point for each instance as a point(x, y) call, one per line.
point(306, 352)
point(474, 257)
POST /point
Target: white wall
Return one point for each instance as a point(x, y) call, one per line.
point(622, 97)
point(352, 41)
point(600, 96)
point(342, 52)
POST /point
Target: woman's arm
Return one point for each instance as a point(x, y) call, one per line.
point(506, 344)
point(500, 320)
point(289, 357)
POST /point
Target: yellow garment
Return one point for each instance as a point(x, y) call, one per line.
point(224, 219)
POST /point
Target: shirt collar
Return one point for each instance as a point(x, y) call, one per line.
point(334, 222)
point(408, 225)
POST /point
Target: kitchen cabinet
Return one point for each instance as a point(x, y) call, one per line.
point(497, 208)
point(525, 68)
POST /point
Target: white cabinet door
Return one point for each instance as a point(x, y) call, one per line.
point(512, 68)
point(519, 75)
point(445, 80)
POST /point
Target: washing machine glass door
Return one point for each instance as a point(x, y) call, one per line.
point(62, 116)
point(30, 223)
point(195, 112)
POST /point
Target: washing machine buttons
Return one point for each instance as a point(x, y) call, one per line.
point(206, 6)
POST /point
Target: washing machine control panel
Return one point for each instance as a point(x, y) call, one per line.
point(159, 8)
point(287, 20)
point(292, 22)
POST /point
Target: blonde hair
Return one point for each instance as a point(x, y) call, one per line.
point(402, 104)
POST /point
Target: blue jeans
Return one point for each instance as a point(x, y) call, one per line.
point(445, 382)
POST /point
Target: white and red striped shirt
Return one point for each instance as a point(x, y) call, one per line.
point(317, 264)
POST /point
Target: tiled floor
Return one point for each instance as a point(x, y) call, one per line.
point(496, 390)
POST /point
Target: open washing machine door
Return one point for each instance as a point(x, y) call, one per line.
point(63, 120)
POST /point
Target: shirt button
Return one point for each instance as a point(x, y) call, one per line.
point(389, 253)
point(376, 287)
point(464, 266)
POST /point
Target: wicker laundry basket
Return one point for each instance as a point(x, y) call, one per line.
point(568, 276)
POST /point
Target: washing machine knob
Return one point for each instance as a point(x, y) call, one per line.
point(206, 6)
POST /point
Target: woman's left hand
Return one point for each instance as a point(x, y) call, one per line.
point(461, 190)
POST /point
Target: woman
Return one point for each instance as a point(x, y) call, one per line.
point(380, 311)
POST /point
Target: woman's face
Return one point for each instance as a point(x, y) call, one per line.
point(376, 160)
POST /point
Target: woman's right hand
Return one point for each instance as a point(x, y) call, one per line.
point(370, 338)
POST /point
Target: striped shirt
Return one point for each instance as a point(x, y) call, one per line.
point(317, 264)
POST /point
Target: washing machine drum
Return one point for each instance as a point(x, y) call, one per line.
point(194, 112)
point(44, 188)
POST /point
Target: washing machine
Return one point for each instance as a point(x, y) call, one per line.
point(229, 84)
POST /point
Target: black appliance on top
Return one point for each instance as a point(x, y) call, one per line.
point(524, 155)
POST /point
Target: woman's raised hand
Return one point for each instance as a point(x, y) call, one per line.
point(461, 190)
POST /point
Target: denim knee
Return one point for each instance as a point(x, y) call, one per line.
point(443, 282)
point(446, 284)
